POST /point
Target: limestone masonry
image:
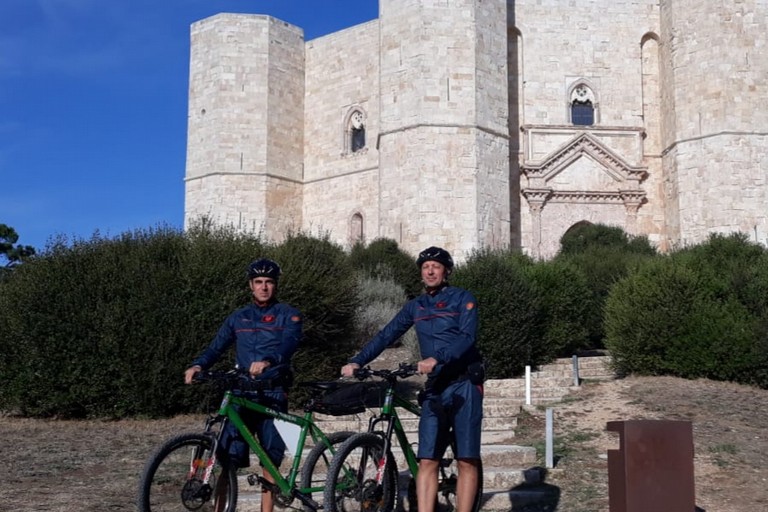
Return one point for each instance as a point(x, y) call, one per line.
point(485, 123)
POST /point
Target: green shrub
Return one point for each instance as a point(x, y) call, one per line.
point(84, 321)
point(671, 319)
point(511, 329)
point(383, 259)
point(602, 267)
point(106, 327)
point(585, 235)
point(566, 302)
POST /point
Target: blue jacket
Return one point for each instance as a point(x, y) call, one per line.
point(270, 333)
point(446, 326)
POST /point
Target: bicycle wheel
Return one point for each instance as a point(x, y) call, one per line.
point(352, 478)
point(446, 488)
point(174, 479)
point(314, 471)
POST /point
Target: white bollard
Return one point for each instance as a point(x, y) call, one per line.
point(527, 385)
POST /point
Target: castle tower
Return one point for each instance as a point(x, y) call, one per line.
point(443, 141)
point(715, 117)
point(245, 124)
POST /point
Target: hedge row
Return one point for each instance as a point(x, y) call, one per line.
point(106, 327)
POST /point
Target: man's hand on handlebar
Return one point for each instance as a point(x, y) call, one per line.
point(258, 367)
point(427, 365)
point(189, 375)
point(348, 370)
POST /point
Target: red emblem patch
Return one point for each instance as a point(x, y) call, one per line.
point(295, 318)
point(268, 318)
point(440, 305)
point(470, 305)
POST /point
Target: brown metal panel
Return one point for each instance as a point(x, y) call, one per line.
point(653, 469)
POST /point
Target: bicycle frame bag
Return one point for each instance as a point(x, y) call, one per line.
point(352, 398)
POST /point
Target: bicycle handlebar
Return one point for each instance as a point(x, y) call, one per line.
point(235, 378)
point(402, 372)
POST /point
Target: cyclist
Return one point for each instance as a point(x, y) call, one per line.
point(266, 333)
point(445, 319)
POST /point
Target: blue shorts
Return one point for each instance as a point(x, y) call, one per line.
point(458, 407)
point(232, 446)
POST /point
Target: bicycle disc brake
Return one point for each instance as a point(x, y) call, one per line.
point(371, 496)
point(195, 494)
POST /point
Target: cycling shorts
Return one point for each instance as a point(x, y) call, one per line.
point(459, 408)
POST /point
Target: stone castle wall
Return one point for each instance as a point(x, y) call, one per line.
point(716, 146)
point(469, 141)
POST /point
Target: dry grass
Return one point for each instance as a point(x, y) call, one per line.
point(729, 432)
point(89, 466)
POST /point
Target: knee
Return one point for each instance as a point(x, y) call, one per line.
point(469, 464)
point(428, 466)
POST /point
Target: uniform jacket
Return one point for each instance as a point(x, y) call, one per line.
point(446, 326)
point(270, 333)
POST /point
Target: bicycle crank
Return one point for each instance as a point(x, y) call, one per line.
point(267, 486)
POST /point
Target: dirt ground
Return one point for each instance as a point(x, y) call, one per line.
point(730, 435)
point(89, 466)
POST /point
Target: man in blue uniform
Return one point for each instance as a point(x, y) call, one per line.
point(445, 319)
point(266, 333)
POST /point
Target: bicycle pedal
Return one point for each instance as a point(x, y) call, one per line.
point(253, 479)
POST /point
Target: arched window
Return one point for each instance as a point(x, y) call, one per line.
point(582, 105)
point(356, 228)
point(354, 131)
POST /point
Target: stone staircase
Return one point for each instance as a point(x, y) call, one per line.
point(505, 465)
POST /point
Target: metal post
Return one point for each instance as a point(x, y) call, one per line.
point(527, 385)
point(549, 456)
point(576, 379)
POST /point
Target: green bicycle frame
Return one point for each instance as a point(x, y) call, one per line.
point(393, 401)
point(307, 426)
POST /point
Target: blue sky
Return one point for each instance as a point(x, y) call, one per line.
point(93, 107)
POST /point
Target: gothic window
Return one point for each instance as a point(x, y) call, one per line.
point(582, 105)
point(356, 131)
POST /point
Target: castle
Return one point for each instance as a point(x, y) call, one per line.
point(485, 123)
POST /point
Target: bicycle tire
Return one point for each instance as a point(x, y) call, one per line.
point(351, 484)
point(315, 469)
point(446, 490)
point(171, 480)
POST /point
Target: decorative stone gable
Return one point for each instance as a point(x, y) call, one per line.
point(622, 185)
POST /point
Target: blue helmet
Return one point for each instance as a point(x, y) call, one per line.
point(264, 268)
point(437, 254)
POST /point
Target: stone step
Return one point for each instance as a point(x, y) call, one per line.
point(494, 500)
point(503, 468)
point(498, 413)
point(503, 490)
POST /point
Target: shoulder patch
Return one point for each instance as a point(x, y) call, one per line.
point(295, 318)
point(470, 305)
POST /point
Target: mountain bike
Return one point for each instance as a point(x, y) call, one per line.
point(363, 473)
point(186, 473)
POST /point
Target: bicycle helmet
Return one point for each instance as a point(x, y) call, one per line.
point(437, 254)
point(264, 268)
